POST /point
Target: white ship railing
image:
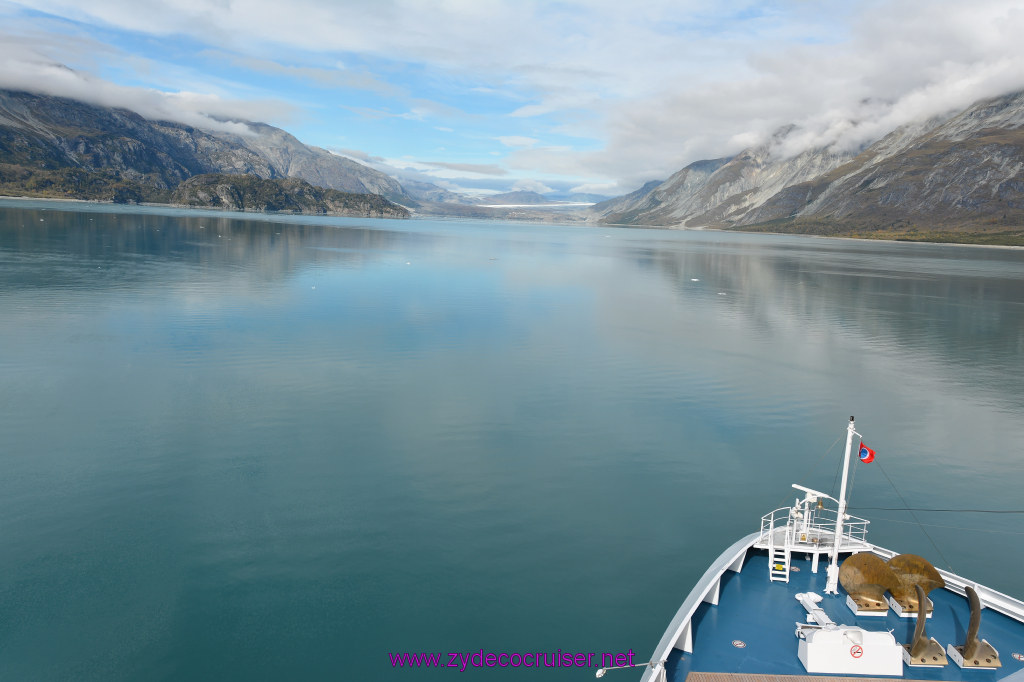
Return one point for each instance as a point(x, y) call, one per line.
point(806, 529)
point(990, 598)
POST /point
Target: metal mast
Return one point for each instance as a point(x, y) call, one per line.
point(832, 585)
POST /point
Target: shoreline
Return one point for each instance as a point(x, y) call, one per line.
point(704, 228)
point(183, 207)
point(414, 216)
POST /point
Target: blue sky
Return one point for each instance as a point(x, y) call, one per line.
point(492, 95)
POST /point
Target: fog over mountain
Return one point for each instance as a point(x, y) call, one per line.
point(959, 171)
point(45, 138)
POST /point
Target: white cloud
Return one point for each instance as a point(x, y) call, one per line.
point(658, 83)
point(25, 66)
point(338, 77)
point(531, 186)
point(517, 141)
point(903, 61)
point(896, 62)
point(607, 188)
point(475, 168)
point(454, 177)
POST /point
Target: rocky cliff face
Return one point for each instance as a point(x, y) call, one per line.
point(965, 170)
point(251, 193)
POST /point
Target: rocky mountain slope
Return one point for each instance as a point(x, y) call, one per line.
point(719, 191)
point(49, 138)
point(292, 159)
point(968, 170)
point(962, 172)
point(58, 146)
point(251, 193)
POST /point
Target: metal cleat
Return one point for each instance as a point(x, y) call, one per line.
point(974, 653)
point(923, 651)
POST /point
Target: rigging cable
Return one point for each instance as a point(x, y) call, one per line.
point(835, 478)
point(924, 509)
point(973, 530)
point(916, 520)
point(849, 487)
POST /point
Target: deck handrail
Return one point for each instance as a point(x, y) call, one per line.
point(819, 525)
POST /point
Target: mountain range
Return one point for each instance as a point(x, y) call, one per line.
point(958, 177)
point(58, 146)
point(948, 175)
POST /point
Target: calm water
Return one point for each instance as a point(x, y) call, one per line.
point(237, 448)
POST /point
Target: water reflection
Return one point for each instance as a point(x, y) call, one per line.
point(959, 308)
point(953, 307)
point(126, 241)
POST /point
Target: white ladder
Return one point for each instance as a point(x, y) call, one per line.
point(779, 558)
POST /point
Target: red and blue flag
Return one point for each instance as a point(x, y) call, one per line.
point(867, 455)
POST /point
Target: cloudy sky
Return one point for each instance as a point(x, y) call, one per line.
point(488, 95)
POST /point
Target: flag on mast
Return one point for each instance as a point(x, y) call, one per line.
point(867, 455)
